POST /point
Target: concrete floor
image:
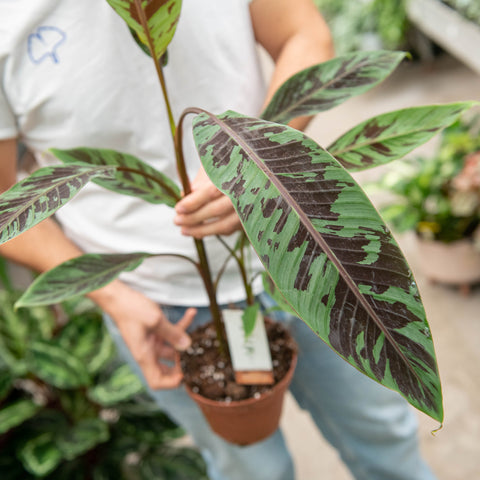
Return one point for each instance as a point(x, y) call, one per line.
point(454, 452)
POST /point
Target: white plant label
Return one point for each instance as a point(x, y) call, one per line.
point(251, 354)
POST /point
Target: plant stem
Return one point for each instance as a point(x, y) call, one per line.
point(204, 269)
point(240, 259)
point(156, 61)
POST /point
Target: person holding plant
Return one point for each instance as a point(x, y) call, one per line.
point(72, 76)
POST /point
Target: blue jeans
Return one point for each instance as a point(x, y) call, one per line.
point(373, 429)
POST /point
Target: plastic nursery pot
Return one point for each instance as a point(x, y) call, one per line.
point(247, 421)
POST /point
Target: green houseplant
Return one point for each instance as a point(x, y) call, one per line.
point(298, 205)
point(356, 25)
point(438, 197)
point(69, 409)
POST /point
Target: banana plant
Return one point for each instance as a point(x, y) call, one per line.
point(346, 277)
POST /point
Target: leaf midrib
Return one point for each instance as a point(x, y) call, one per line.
point(330, 254)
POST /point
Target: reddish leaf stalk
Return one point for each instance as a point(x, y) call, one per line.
point(204, 267)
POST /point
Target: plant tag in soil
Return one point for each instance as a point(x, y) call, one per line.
point(250, 354)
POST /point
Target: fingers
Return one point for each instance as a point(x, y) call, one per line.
point(206, 211)
point(187, 318)
point(200, 196)
point(216, 207)
point(220, 226)
point(159, 375)
point(217, 217)
point(175, 334)
point(157, 359)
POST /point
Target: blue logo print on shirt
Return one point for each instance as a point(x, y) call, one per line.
point(44, 43)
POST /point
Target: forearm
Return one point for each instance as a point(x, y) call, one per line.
point(45, 246)
point(40, 248)
point(146, 331)
point(295, 35)
point(301, 51)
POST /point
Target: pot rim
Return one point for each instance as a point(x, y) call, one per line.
point(247, 401)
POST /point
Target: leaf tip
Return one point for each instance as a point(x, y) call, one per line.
point(436, 430)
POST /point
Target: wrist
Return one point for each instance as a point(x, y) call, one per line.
point(107, 297)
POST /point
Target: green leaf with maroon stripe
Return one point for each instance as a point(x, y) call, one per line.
point(78, 276)
point(392, 135)
point(41, 194)
point(132, 176)
point(154, 21)
point(329, 84)
point(326, 248)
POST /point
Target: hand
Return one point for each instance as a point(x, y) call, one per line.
point(206, 210)
point(148, 334)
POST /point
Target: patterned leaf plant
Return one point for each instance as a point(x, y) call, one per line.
point(392, 135)
point(153, 21)
point(40, 195)
point(326, 249)
point(72, 411)
point(346, 277)
point(322, 87)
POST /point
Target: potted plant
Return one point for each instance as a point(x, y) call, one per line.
point(69, 409)
point(298, 205)
point(438, 197)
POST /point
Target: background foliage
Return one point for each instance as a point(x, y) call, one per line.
point(470, 9)
point(69, 409)
point(438, 196)
point(366, 24)
point(372, 24)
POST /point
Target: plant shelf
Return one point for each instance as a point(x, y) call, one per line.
point(445, 26)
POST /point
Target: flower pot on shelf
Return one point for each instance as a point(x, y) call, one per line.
point(456, 263)
point(257, 414)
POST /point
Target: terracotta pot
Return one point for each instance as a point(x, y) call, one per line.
point(456, 263)
point(246, 421)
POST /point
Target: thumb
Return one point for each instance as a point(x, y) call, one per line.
point(175, 334)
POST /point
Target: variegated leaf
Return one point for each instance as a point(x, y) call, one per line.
point(6, 382)
point(279, 300)
point(132, 176)
point(328, 84)
point(82, 437)
point(122, 385)
point(78, 276)
point(86, 337)
point(16, 366)
point(392, 135)
point(154, 21)
point(41, 194)
point(40, 455)
point(326, 248)
point(57, 366)
point(16, 413)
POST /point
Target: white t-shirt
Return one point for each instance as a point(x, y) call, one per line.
point(73, 76)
